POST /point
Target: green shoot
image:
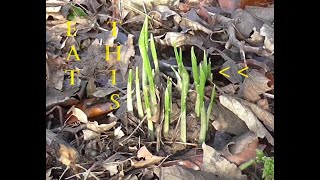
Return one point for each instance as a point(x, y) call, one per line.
point(209, 110)
point(167, 107)
point(268, 165)
point(129, 92)
point(184, 93)
point(154, 54)
point(143, 46)
point(200, 93)
point(196, 80)
point(147, 104)
point(139, 102)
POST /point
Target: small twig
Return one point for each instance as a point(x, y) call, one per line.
point(145, 117)
point(59, 111)
point(177, 142)
point(64, 172)
point(164, 160)
point(269, 95)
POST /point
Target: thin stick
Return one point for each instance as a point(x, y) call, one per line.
point(145, 117)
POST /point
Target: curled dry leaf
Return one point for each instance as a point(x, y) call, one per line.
point(242, 148)
point(112, 168)
point(118, 133)
point(177, 173)
point(266, 117)
point(148, 158)
point(89, 134)
point(244, 113)
point(255, 85)
point(94, 126)
point(68, 156)
point(165, 12)
point(80, 115)
point(189, 24)
point(127, 51)
point(214, 163)
point(263, 103)
point(226, 121)
point(179, 39)
point(268, 32)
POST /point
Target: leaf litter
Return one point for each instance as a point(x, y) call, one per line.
point(96, 141)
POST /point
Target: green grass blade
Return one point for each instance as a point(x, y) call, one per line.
point(139, 102)
point(209, 110)
point(203, 128)
point(194, 68)
point(147, 104)
point(129, 92)
point(167, 107)
point(154, 54)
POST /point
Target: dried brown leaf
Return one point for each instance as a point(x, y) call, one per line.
point(263, 103)
point(78, 113)
point(165, 12)
point(193, 25)
point(255, 85)
point(177, 173)
point(214, 163)
point(268, 32)
point(179, 39)
point(235, 77)
point(244, 113)
point(226, 121)
point(266, 117)
point(149, 159)
point(68, 156)
point(112, 168)
point(127, 51)
point(242, 148)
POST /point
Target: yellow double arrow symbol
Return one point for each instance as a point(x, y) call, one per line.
point(239, 72)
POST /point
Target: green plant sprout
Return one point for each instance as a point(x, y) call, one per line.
point(268, 165)
point(184, 93)
point(129, 92)
point(138, 95)
point(167, 107)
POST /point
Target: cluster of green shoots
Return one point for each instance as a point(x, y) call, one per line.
point(201, 74)
point(268, 165)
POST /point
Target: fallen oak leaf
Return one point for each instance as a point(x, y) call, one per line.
point(255, 85)
point(245, 114)
point(266, 117)
point(214, 163)
point(148, 158)
point(241, 149)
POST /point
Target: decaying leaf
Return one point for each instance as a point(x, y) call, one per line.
point(189, 24)
point(68, 156)
point(268, 32)
point(89, 134)
point(94, 126)
point(112, 168)
point(242, 148)
point(179, 39)
point(148, 158)
point(48, 174)
point(244, 113)
point(263, 103)
point(266, 117)
point(127, 51)
point(230, 88)
point(214, 163)
point(177, 173)
point(91, 87)
point(255, 85)
point(165, 12)
point(78, 113)
point(118, 133)
point(226, 121)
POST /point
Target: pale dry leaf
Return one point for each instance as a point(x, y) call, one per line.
point(165, 12)
point(91, 87)
point(226, 121)
point(244, 113)
point(177, 173)
point(112, 168)
point(48, 174)
point(149, 159)
point(266, 117)
point(118, 133)
point(94, 126)
point(179, 39)
point(89, 134)
point(268, 32)
point(53, 9)
point(106, 127)
point(82, 117)
point(56, 78)
point(68, 156)
point(245, 22)
point(103, 92)
point(256, 39)
point(255, 85)
point(189, 24)
point(262, 13)
point(149, 4)
point(214, 163)
point(242, 148)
